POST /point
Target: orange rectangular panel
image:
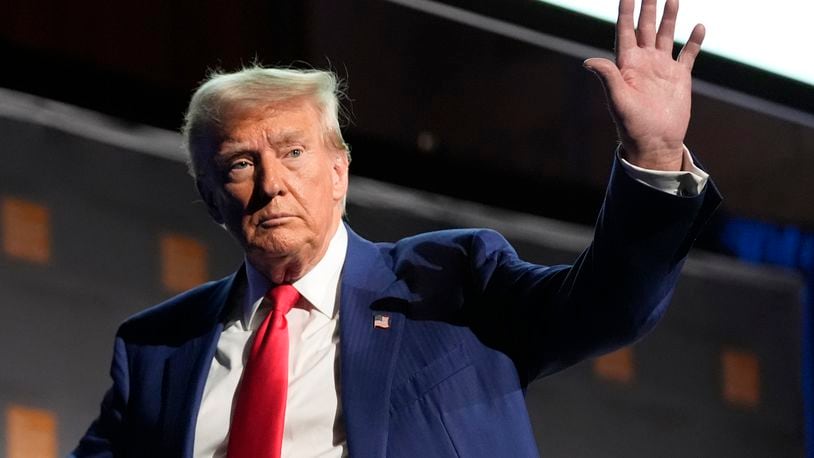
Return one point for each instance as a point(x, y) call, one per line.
point(740, 372)
point(30, 433)
point(183, 262)
point(617, 366)
point(26, 230)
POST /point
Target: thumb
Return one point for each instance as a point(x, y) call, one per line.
point(607, 71)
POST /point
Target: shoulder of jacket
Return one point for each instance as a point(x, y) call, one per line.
point(181, 310)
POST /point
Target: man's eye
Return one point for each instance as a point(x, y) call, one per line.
point(240, 165)
point(296, 152)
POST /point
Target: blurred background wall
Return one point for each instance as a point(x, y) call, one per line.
point(99, 219)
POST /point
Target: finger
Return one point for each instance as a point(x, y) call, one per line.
point(667, 28)
point(608, 74)
point(693, 46)
point(625, 33)
point(646, 32)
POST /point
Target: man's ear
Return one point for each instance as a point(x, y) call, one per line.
point(340, 173)
point(206, 194)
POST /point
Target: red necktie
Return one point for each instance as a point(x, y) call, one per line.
point(259, 416)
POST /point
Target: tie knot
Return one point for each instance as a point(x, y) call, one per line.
point(283, 298)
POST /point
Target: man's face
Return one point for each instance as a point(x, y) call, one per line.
point(277, 185)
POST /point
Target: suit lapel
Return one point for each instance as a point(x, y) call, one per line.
point(367, 352)
point(184, 377)
point(186, 370)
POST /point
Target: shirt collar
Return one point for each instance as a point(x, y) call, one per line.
point(318, 286)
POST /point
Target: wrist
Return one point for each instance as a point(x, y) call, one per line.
point(667, 159)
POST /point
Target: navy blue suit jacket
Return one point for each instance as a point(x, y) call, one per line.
point(471, 325)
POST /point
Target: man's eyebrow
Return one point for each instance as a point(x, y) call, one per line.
point(231, 147)
point(284, 137)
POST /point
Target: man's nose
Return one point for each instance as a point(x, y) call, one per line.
point(269, 180)
point(268, 184)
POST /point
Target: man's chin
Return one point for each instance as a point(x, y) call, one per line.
point(274, 244)
point(279, 261)
point(266, 250)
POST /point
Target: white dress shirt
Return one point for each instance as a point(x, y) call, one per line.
point(690, 181)
point(313, 417)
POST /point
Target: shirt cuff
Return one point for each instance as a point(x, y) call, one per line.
point(688, 182)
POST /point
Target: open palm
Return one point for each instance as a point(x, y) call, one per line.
point(649, 92)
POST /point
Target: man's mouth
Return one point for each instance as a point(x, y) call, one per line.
point(275, 219)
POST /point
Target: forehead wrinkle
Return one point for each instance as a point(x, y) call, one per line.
point(232, 145)
point(246, 129)
point(271, 136)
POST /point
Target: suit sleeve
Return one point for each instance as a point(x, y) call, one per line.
point(103, 437)
point(613, 294)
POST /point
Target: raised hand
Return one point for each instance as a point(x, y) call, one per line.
point(648, 91)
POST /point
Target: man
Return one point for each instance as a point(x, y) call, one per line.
point(325, 344)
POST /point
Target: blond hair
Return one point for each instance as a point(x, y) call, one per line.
point(257, 87)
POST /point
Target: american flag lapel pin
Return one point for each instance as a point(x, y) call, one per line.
point(381, 320)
